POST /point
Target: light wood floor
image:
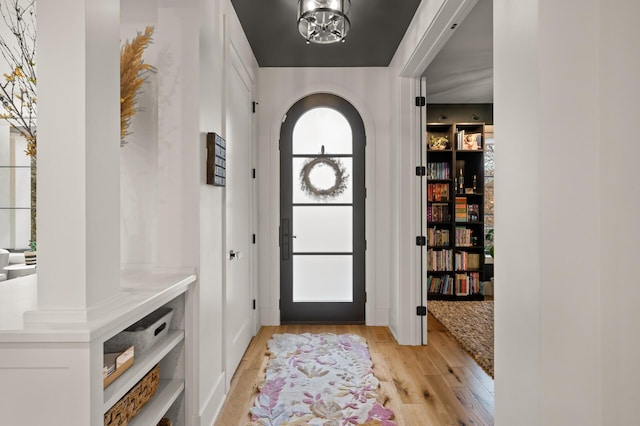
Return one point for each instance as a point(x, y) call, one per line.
point(436, 384)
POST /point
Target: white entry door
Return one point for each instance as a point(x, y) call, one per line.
point(239, 292)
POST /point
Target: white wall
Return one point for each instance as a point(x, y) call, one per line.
point(219, 28)
point(367, 90)
point(170, 217)
point(566, 322)
point(617, 107)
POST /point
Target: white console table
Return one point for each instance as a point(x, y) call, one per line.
point(51, 373)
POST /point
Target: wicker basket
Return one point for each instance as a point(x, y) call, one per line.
point(130, 404)
point(165, 422)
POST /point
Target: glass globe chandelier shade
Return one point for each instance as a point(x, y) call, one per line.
point(323, 21)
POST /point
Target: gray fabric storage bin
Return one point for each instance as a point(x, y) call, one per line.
point(144, 333)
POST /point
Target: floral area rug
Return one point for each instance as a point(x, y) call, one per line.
point(319, 379)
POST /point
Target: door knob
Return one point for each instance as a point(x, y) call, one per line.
point(234, 254)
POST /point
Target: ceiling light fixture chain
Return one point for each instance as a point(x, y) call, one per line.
point(323, 21)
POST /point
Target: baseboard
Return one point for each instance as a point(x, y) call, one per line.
point(209, 412)
point(269, 316)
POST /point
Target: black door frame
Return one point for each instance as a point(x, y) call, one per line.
point(322, 312)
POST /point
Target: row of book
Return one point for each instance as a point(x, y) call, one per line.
point(459, 284)
point(438, 237)
point(438, 212)
point(438, 171)
point(464, 237)
point(467, 261)
point(470, 141)
point(466, 212)
point(439, 260)
point(438, 192)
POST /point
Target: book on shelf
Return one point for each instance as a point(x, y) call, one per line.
point(438, 212)
point(461, 209)
point(439, 260)
point(440, 284)
point(438, 171)
point(473, 213)
point(116, 363)
point(469, 141)
point(467, 261)
point(438, 192)
point(467, 284)
point(437, 237)
point(464, 236)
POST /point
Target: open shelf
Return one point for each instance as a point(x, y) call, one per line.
point(141, 366)
point(154, 410)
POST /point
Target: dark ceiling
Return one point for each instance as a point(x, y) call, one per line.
point(377, 27)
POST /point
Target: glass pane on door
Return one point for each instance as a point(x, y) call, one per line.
point(322, 127)
point(322, 176)
point(322, 278)
point(322, 229)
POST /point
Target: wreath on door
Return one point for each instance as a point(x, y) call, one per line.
point(311, 189)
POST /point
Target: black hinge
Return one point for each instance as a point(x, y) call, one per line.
point(365, 193)
point(365, 297)
point(253, 106)
point(365, 244)
point(280, 304)
point(421, 171)
point(253, 173)
point(421, 241)
point(253, 238)
point(421, 101)
point(254, 304)
point(421, 311)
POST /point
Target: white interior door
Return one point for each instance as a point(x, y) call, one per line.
point(239, 294)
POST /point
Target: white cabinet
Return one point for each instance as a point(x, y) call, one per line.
point(52, 373)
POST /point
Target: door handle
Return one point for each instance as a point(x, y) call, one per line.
point(285, 240)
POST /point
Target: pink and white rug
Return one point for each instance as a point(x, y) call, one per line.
point(319, 379)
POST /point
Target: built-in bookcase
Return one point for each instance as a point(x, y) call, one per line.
point(455, 210)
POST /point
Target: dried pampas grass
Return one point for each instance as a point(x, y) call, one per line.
point(132, 75)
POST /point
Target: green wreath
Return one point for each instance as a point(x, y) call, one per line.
point(339, 185)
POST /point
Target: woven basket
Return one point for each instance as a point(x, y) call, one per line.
point(130, 404)
point(165, 422)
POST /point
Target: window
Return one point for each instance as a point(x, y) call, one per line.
point(489, 172)
point(15, 190)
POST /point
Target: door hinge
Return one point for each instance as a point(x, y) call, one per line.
point(365, 244)
point(421, 101)
point(253, 106)
point(421, 311)
point(365, 193)
point(421, 171)
point(253, 238)
point(253, 173)
point(365, 297)
point(254, 304)
point(421, 240)
point(280, 304)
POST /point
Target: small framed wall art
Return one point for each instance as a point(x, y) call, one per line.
point(216, 160)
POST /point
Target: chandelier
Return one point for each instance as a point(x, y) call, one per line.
point(323, 21)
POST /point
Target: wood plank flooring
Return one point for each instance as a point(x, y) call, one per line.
point(436, 384)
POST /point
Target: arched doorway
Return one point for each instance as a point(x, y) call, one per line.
point(322, 212)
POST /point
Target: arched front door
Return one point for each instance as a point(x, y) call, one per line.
point(322, 212)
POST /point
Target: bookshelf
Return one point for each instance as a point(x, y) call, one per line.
point(455, 210)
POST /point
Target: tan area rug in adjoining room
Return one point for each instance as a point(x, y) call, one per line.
point(471, 324)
